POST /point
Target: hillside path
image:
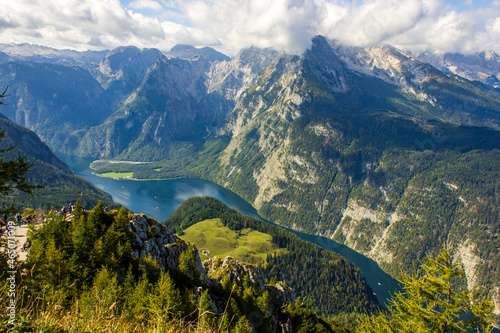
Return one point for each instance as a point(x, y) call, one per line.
point(20, 238)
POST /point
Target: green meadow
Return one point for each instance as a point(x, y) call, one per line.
point(116, 174)
point(246, 245)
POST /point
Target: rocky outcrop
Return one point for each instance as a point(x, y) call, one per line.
point(280, 295)
point(152, 238)
point(236, 271)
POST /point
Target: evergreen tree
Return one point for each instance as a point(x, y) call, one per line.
point(187, 264)
point(165, 300)
point(103, 297)
point(137, 302)
point(205, 311)
point(78, 210)
point(434, 299)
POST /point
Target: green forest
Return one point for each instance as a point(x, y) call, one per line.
point(325, 281)
point(82, 274)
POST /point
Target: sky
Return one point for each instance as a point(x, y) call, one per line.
point(465, 26)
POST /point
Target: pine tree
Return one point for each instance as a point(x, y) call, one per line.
point(165, 300)
point(434, 299)
point(137, 302)
point(78, 210)
point(103, 296)
point(205, 311)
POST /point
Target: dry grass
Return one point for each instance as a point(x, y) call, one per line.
point(37, 315)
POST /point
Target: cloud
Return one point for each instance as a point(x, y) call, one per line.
point(282, 24)
point(414, 25)
point(230, 25)
point(447, 30)
point(146, 4)
point(78, 24)
point(372, 22)
point(494, 28)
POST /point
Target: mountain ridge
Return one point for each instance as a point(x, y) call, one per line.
point(370, 146)
point(60, 185)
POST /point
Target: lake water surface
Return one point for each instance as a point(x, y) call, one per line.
point(160, 198)
point(157, 198)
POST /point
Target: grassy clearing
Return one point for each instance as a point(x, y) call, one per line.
point(246, 245)
point(117, 174)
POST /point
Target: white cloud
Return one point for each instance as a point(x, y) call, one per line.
point(372, 22)
point(230, 25)
point(281, 24)
point(494, 28)
point(447, 30)
point(146, 4)
point(78, 24)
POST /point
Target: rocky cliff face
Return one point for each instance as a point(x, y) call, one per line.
point(154, 240)
point(315, 151)
point(391, 65)
point(483, 66)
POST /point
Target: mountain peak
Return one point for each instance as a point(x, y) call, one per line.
point(182, 47)
point(489, 55)
point(189, 52)
point(326, 65)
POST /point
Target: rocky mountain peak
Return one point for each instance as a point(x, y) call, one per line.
point(327, 66)
point(489, 55)
point(31, 52)
point(130, 56)
point(255, 58)
point(182, 47)
point(189, 52)
point(480, 66)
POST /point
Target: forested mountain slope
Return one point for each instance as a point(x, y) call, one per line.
point(60, 185)
point(129, 272)
point(326, 281)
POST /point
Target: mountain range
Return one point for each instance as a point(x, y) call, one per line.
point(388, 153)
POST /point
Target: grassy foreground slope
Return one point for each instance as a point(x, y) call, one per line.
point(328, 283)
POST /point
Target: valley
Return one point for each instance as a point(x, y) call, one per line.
point(161, 198)
point(372, 148)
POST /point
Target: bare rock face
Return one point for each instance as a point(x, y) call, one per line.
point(154, 239)
point(217, 268)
